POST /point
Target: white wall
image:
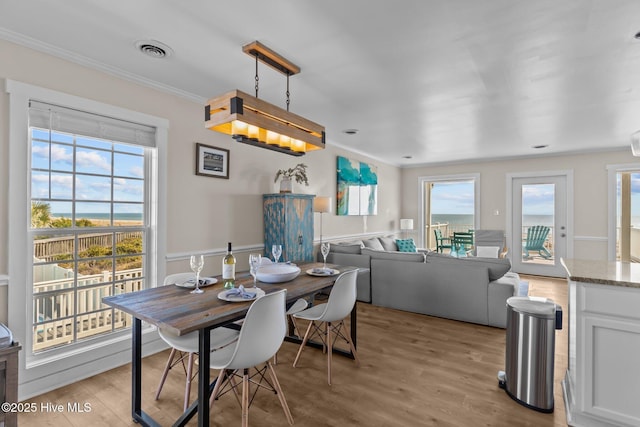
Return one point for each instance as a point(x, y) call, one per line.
point(203, 213)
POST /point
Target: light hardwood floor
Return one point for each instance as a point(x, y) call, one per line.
point(416, 371)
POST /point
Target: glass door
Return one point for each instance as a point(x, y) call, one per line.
point(539, 225)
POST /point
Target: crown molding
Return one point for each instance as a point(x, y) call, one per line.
point(49, 49)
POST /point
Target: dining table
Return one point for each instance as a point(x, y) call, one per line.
point(178, 311)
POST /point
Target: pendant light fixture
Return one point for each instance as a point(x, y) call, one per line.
point(253, 121)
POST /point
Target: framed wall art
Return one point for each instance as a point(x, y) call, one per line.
point(212, 161)
point(357, 187)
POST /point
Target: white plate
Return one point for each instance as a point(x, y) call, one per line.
point(278, 273)
point(329, 272)
point(223, 296)
point(191, 283)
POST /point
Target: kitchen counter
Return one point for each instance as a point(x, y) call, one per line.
point(611, 273)
point(602, 383)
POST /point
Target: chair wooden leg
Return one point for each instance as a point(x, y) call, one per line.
point(216, 388)
point(276, 385)
point(245, 398)
point(166, 371)
point(304, 342)
point(329, 352)
point(187, 387)
point(295, 325)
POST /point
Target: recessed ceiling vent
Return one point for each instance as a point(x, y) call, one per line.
point(153, 48)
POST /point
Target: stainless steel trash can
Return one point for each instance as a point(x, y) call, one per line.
point(530, 349)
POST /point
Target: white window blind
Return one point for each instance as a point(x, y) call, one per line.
point(63, 119)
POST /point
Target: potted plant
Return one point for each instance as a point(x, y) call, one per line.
point(299, 173)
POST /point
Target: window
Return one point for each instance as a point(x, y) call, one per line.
point(70, 146)
point(88, 225)
point(627, 215)
point(449, 205)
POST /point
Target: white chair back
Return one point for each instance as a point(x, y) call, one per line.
point(262, 333)
point(178, 278)
point(342, 297)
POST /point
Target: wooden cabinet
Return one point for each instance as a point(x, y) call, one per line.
point(288, 221)
point(9, 383)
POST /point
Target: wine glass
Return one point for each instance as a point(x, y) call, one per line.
point(197, 262)
point(254, 264)
point(324, 248)
point(276, 250)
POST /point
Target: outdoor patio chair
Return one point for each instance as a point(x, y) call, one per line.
point(536, 236)
point(441, 242)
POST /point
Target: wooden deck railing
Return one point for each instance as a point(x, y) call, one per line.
point(49, 249)
point(59, 306)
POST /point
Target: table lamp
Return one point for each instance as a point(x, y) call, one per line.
point(405, 225)
point(322, 205)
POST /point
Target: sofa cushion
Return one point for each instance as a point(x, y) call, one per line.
point(395, 256)
point(373, 243)
point(487, 251)
point(346, 248)
point(497, 266)
point(406, 245)
point(388, 243)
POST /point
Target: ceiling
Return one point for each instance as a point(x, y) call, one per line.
point(436, 80)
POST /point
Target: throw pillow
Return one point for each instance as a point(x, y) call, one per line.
point(487, 251)
point(406, 245)
point(346, 248)
point(373, 243)
point(388, 243)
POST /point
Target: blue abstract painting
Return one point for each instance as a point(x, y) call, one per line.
point(357, 187)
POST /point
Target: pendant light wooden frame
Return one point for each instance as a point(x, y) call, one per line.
point(222, 111)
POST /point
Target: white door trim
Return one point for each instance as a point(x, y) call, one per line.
point(568, 174)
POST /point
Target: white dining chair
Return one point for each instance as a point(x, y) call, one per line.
point(186, 346)
point(331, 315)
point(261, 336)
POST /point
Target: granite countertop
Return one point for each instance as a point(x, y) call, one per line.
point(614, 273)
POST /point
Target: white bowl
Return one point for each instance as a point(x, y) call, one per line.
point(277, 273)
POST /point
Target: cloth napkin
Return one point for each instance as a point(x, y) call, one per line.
point(201, 282)
point(240, 292)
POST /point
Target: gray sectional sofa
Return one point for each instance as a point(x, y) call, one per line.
point(469, 289)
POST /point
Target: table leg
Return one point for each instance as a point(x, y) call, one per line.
point(136, 378)
point(136, 371)
point(203, 377)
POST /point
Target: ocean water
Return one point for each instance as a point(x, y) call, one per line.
point(127, 216)
point(460, 219)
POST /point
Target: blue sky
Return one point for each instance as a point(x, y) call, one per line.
point(91, 157)
point(452, 198)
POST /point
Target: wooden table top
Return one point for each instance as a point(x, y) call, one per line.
point(177, 310)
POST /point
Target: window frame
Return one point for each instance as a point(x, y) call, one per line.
point(475, 177)
point(38, 373)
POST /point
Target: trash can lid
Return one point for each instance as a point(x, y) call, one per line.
point(537, 306)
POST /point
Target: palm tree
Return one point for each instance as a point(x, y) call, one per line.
point(40, 214)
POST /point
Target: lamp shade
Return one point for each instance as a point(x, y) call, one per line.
point(322, 204)
point(406, 224)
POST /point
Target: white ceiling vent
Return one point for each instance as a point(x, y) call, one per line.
point(154, 48)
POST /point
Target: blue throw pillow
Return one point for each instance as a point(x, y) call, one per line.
point(406, 245)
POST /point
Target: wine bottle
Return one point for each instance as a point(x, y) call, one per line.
point(229, 268)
